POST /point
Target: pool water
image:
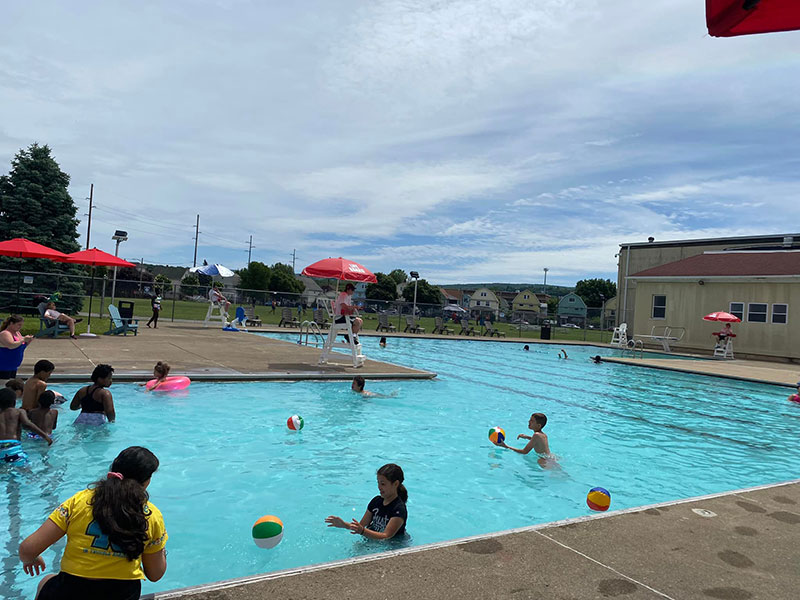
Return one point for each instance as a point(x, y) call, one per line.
point(227, 456)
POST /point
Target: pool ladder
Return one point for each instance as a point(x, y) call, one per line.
point(307, 329)
point(633, 346)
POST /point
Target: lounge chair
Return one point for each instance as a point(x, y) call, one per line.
point(466, 328)
point(287, 318)
point(412, 327)
point(251, 318)
point(384, 325)
point(321, 318)
point(119, 325)
point(49, 327)
point(490, 331)
point(440, 327)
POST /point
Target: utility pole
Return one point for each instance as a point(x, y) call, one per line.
point(196, 236)
point(89, 227)
point(294, 258)
point(249, 251)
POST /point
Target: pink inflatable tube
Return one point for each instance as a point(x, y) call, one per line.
point(170, 385)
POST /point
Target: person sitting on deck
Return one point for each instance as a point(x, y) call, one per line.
point(52, 314)
point(343, 308)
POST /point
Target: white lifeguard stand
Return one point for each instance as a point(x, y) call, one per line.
point(216, 312)
point(337, 329)
point(724, 349)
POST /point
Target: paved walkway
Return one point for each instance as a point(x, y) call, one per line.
point(738, 546)
point(200, 353)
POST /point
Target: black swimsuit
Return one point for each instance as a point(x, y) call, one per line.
point(89, 404)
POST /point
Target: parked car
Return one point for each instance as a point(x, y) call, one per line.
point(570, 325)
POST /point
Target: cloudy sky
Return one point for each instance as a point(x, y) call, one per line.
point(470, 140)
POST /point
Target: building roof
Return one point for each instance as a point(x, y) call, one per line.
point(730, 264)
point(763, 242)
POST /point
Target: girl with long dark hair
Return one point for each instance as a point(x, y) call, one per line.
point(386, 513)
point(115, 536)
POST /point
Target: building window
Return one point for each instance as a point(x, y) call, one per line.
point(757, 312)
point(737, 309)
point(483, 293)
point(659, 307)
point(780, 313)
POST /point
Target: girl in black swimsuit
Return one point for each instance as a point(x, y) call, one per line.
point(95, 407)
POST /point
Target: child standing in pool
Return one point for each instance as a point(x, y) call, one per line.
point(115, 536)
point(45, 417)
point(538, 441)
point(386, 513)
point(12, 420)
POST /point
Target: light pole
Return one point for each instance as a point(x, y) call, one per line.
point(415, 275)
point(545, 280)
point(119, 237)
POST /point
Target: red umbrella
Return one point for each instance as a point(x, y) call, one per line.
point(726, 18)
point(340, 268)
point(22, 248)
point(95, 258)
point(722, 316)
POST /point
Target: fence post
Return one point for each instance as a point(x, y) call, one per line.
point(173, 301)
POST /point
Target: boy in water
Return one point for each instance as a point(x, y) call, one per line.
point(16, 386)
point(12, 420)
point(37, 384)
point(44, 417)
point(538, 441)
point(358, 387)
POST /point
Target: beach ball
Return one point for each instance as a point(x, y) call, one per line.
point(598, 499)
point(268, 531)
point(497, 435)
point(295, 422)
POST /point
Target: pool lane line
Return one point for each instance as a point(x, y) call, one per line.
point(248, 579)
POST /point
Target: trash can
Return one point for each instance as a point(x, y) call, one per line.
point(126, 309)
point(545, 331)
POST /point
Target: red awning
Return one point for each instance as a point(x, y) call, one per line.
point(726, 18)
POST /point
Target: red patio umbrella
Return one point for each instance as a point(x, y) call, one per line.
point(340, 268)
point(722, 316)
point(23, 248)
point(726, 18)
point(95, 258)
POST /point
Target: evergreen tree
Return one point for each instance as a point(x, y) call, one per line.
point(35, 204)
point(592, 291)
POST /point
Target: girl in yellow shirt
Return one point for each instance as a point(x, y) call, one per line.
point(115, 536)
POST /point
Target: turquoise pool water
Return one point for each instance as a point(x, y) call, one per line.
point(227, 457)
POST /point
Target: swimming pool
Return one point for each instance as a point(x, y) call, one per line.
point(227, 457)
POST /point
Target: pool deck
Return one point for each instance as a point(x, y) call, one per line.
point(735, 546)
point(202, 354)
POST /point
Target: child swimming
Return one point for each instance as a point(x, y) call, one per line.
point(115, 536)
point(386, 513)
point(538, 441)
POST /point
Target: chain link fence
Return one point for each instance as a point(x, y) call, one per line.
point(182, 302)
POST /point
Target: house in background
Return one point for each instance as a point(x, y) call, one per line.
point(311, 292)
point(360, 293)
point(526, 306)
point(484, 300)
point(762, 288)
point(571, 309)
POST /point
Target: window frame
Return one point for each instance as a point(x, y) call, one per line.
point(785, 314)
point(741, 313)
point(653, 307)
point(765, 313)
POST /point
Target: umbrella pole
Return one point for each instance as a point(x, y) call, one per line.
point(89, 320)
point(19, 282)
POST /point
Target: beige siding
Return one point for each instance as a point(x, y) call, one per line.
point(688, 302)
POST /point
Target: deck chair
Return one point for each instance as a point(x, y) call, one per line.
point(287, 318)
point(466, 328)
point(240, 321)
point(119, 325)
point(384, 325)
point(251, 318)
point(321, 318)
point(620, 336)
point(412, 327)
point(490, 331)
point(49, 327)
point(440, 327)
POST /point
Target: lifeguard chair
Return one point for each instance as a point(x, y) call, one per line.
point(724, 347)
point(337, 329)
point(216, 312)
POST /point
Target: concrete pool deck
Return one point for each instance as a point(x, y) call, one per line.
point(738, 545)
point(201, 353)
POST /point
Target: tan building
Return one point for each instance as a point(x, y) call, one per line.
point(638, 256)
point(760, 287)
point(484, 300)
point(525, 305)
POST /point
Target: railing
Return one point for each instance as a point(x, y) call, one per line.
point(308, 328)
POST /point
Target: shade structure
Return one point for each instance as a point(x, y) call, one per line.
point(24, 248)
point(213, 270)
point(95, 258)
point(727, 18)
point(340, 268)
point(453, 308)
point(723, 317)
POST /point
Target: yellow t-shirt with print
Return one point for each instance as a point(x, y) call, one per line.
point(89, 552)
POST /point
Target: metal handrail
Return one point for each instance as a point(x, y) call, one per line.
point(308, 328)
